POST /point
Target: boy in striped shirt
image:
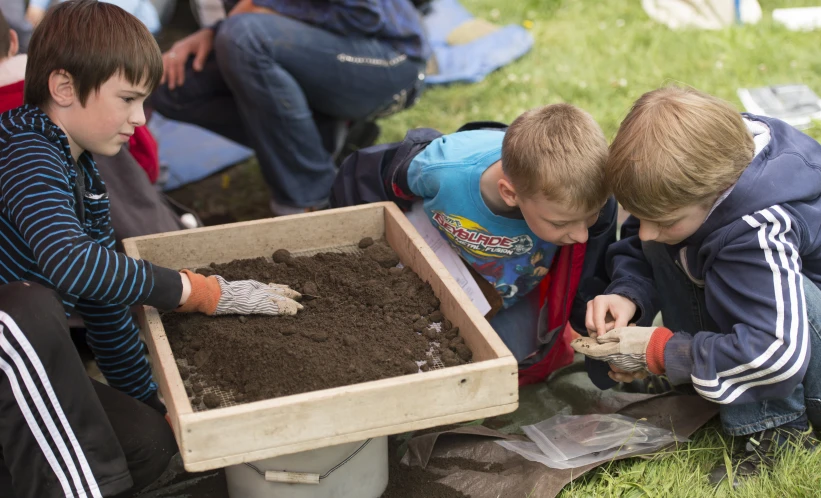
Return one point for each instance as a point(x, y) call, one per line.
point(91, 65)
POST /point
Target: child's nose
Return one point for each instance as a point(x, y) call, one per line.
point(138, 117)
point(648, 233)
point(579, 234)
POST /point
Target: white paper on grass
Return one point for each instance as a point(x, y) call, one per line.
point(799, 18)
point(448, 256)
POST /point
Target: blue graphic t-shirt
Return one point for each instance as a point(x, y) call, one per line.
point(505, 251)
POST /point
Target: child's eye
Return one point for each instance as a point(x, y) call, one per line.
point(128, 100)
point(558, 225)
point(667, 225)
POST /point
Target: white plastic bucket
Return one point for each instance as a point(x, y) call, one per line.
point(363, 475)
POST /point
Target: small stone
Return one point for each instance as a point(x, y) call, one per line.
point(383, 255)
point(452, 333)
point(410, 367)
point(394, 271)
point(184, 372)
point(198, 388)
point(202, 357)
point(444, 344)
point(316, 335)
point(243, 319)
point(286, 331)
point(407, 352)
point(446, 325)
point(450, 361)
point(195, 401)
point(365, 243)
point(421, 324)
point(436, 317)
point(457, 340)
point(310, 289)
point(349, 341)
point(281, 256)
point(415, 317)
point(431, 333)
point(463, 352)
point(211, 400)
point(425, 367)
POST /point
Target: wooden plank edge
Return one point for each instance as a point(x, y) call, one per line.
point(262, 221)
point(164, 367)
point(393, 213)
point(216, 463)
point(444, 375)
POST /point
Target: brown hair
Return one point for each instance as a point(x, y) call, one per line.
point(91, 41)
point(557, 151)
point(677, 147)
point(5, 37)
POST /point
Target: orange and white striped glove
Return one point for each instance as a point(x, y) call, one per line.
point(632, 349)
point(216, 296)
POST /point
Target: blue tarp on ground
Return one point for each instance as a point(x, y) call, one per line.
point(192, 153)
point(472, 61)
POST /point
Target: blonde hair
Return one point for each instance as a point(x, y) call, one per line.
point(677, 147)
point(557, 151)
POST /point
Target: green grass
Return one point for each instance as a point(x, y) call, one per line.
point(683, 473)
point(602, 55)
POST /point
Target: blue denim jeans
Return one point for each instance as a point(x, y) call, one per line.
point(683, 308)
point(267, 81)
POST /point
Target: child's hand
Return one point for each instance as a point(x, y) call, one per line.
point(620, 375)
point(604, 313)
point(34, 15)
point(216, 296)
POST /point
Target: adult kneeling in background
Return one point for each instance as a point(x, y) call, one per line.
point(259, 77)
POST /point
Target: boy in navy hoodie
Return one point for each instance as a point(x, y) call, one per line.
point(725, 240)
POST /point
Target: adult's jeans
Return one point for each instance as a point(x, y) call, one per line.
point(267, 79)
point(683, 308)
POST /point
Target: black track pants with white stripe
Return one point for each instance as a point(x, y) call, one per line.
point(62, 434)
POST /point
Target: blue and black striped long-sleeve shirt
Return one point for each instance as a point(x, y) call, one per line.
point(56, 231)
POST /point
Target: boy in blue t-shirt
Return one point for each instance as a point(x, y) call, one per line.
point(508, 200)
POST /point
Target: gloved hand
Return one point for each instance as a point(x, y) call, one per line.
point(632, 349)
point(216, 296)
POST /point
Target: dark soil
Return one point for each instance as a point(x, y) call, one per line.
point(358, 325)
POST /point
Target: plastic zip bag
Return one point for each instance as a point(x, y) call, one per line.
point(570, 441)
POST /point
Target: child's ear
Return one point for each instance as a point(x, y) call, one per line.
point(508, 192)
point(14, 43)
point(61, 87)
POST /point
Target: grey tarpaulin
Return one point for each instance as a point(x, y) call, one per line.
point(568, 392)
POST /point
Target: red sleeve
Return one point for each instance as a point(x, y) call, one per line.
point(11, 96)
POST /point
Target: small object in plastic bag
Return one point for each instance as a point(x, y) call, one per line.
point(570, 441)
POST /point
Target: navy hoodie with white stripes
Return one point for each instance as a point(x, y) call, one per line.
point(751, 255)
point(55, 230)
